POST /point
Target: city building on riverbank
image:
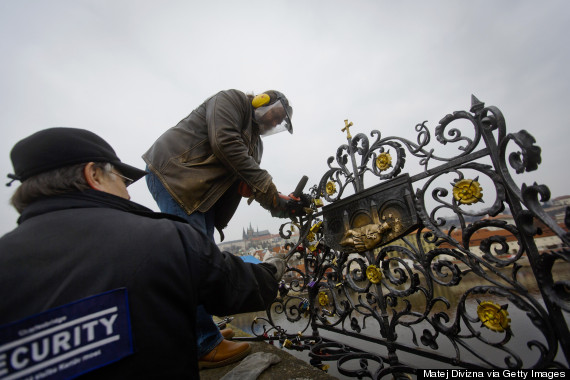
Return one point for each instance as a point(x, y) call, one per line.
point(256, 240)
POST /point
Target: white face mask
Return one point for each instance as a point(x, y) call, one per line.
point(273, 119)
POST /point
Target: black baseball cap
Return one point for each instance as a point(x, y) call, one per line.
point(54, 148)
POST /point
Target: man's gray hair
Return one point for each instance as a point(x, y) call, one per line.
point(59, 181)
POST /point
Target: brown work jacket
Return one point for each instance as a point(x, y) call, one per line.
point(202, 159)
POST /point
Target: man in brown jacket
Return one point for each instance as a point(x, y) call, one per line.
point(202, 167)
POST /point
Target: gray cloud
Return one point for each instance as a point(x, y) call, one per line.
point(128, 70)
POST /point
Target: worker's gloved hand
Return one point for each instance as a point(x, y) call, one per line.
point(282, 206)
point(296, 206)
point(270, 200)
point(278, 264)
point(267, 199)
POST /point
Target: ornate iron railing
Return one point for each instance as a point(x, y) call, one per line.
point(419, 265)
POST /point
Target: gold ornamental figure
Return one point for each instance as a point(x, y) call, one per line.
point(366, 237)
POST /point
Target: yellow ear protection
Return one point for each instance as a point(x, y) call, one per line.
point(260, 100)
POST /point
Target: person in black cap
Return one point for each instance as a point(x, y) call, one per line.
point(201, 168)
point(101, 286)
point(57, 148)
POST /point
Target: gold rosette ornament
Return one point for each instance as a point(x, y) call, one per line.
point(373, 274)
point(467, 191)
point(383, 161)
point(330, 188)
point(493, 316)
point(323, 299)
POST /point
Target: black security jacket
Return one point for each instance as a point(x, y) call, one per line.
point(77, 245)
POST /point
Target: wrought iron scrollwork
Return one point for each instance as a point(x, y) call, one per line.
point(455, 283)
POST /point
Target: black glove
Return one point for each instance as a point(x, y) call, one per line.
point(282, 206)
point(273, 201)
point(297, 206)
point(291, 206)
point(279, 264)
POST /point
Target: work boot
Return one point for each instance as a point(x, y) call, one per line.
point(227, 333)
point(225, 353)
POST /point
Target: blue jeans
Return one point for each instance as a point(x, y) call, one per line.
point(208, 334)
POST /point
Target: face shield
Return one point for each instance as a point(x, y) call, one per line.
point(274, 118)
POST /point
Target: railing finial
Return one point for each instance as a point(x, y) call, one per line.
point(346, 128)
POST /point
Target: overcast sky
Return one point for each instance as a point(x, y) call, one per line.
point(129, 69)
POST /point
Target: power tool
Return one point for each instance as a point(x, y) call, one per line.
point(297, 203)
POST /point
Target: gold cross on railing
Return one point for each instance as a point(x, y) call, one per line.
point(347, 125)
